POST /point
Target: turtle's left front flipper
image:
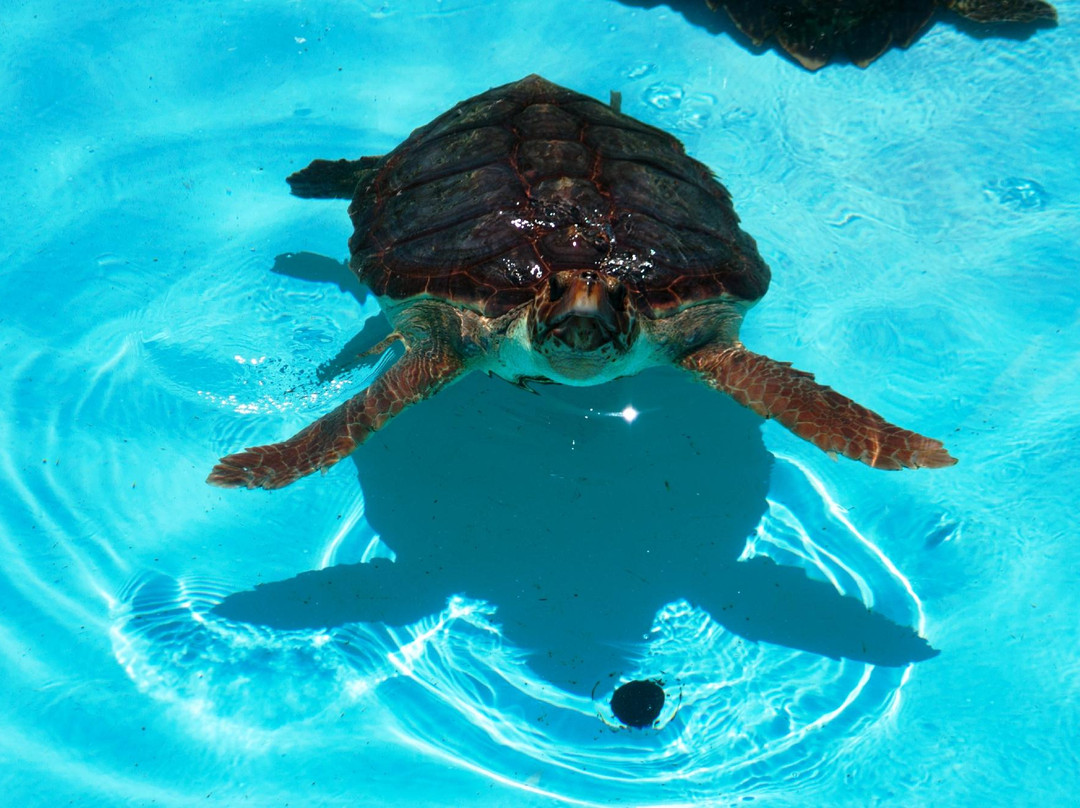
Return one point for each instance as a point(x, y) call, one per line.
point(426, 368)
point(332, 179)
point(832, 422)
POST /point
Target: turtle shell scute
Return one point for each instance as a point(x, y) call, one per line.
point(479, 206)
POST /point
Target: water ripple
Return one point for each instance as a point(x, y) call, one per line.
point(739, 715)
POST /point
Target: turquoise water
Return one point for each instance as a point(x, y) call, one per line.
point(166, 301)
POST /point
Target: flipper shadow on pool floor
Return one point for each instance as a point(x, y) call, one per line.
point(578, 530)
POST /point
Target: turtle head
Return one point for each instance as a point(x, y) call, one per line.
point(582, 320)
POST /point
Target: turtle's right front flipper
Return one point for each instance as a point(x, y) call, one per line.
point(832, 422)
point(331, 179)
point(425, 369)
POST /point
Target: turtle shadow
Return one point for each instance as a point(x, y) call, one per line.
point(577, 529)
point(308, 266)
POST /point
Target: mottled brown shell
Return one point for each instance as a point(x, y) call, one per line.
point(483, 203)
point(813, 31)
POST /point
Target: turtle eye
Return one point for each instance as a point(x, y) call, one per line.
point(555, 289)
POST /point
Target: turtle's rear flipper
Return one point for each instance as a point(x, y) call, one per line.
point(1003, 10)
point(331, 179)
point(832, 422)
point(420, 373)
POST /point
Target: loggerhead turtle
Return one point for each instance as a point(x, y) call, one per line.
point(541, 235)
point(813, 30)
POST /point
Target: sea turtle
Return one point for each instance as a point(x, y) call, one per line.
point(813, 30)
point(541, 235)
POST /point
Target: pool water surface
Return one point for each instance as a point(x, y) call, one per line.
point(444, 618)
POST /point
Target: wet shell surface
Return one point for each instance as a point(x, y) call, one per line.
point(483, 204)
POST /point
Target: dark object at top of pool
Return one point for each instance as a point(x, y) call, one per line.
point(814, 30)
point(541, 235)
point(638, 703)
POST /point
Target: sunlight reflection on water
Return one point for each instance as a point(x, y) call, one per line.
point(737, 709)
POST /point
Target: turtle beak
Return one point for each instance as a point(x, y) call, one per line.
point(583, 311)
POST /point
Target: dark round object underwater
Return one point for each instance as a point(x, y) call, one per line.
point(638, 703)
